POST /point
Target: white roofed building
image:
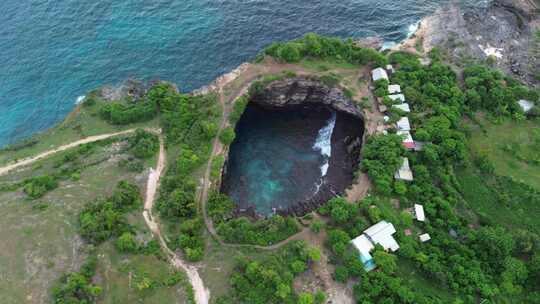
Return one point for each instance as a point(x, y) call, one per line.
point(378, 74)
point(419, 212)
point(404, 172)
point(403, 107)
point(408, 141)
point(397, 97)
point(394, 89)
point(403, 124)
point(390, 68)
point(425, 237)
point(380, 233)
point(526, 105)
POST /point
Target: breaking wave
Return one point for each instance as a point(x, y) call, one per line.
point(323, 143)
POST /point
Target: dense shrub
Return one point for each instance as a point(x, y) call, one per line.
point(227, 136)
point(77, 287)
point(242, 230)
point(36, 187)
point(125, 113)
point(104, 219)
point(143, 144)
point(319, 47)
point(382, 156)
point(270, 280)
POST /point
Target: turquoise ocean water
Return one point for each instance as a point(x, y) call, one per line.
point(53, 51)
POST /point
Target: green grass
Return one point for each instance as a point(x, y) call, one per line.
point(326, 65)
point(513, 148)
point(219, 263)
point(122, 274)
point(498, 202)
point(410, 273)
point(82, 122)
point(39, 238)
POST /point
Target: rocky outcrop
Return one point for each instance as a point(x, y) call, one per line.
point(503, 31)
point(299, 91)
point(132, 88)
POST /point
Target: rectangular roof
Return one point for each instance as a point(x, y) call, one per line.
point(379, 73)
point(394, 88)
point(526, 105)
point(408, 141)
point(403, 124)
point(403, 107)
point(381, 233)
point(404, 172)
point(399, 97)
point(425, 237)
point(363, 245)
point(419, 212)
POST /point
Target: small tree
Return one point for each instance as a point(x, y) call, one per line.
point(227, 136)
point(126, 243)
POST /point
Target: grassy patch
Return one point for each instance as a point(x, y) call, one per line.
point(512, 147)
point(82, 122)
point(39, 238)
point(137, 279)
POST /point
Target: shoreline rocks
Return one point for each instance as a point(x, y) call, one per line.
point(502, 31)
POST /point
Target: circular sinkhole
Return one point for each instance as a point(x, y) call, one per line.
point(297, 145)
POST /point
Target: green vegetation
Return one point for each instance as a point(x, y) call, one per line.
point(511, 147)
point(101, 220)
point(319, 47)
point(143, 144)
point(270, 280)
point(191, 123)
point(77, 287)
point(490, 90)
point(227, 136)
point(242, 230)
point(36, 187)
point(382, 156)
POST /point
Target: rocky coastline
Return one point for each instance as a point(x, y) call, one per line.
point(503, 33)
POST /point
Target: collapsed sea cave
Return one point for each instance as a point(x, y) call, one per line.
point(297, 145)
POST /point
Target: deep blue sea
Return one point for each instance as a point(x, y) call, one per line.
point(53, 51)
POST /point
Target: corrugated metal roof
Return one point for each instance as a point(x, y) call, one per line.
point(394, 88)
point(379, 73)
point(419, 211)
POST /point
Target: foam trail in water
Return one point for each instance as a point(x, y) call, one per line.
point(413, 28)
point(80, 99)
point(323, 143)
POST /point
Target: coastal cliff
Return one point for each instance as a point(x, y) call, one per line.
point(300, 91)
point(502, 33)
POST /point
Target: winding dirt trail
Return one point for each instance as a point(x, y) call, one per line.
point(202, 295)
point(5, 169)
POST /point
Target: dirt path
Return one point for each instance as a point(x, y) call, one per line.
point(27, 161)
point(202, 295)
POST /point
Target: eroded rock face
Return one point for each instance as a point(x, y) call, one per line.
point(301, 91)
point(503, 30)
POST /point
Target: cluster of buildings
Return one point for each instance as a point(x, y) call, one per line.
point(382, 232)
point(403, 125)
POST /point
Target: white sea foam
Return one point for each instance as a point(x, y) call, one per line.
point(80, 99)
point(413, 28)
point(323, 143)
